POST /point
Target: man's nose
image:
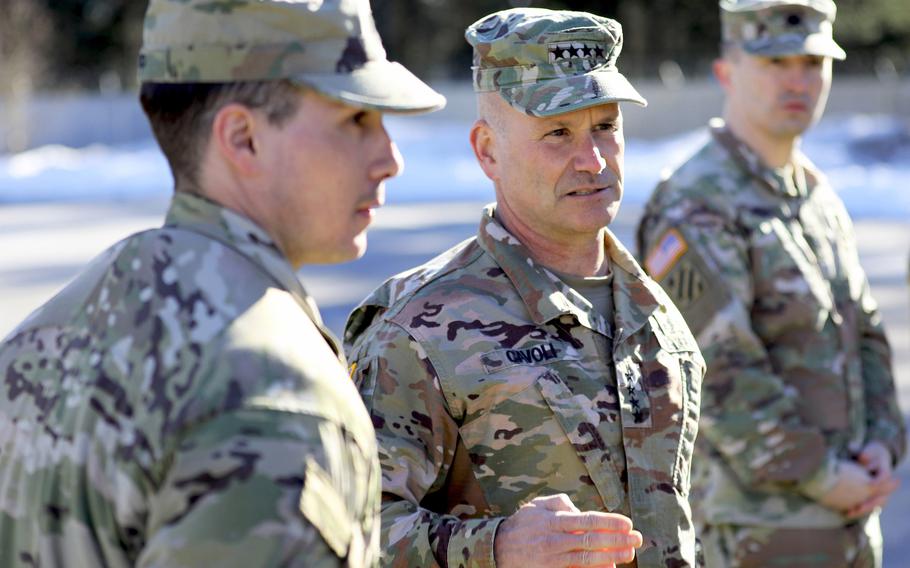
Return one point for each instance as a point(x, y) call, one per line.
point(589, 157)
point(799, 77)
point(390, 162)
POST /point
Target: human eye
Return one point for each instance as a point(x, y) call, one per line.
point(558, 133)
point(359, 118)
point(606, 126)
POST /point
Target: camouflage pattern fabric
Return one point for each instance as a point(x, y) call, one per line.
point(180, 404)
point(330, 46)
point(799, 367)
point(856, 545)
point(491, 382)
point(773, 28)
point(546, 62)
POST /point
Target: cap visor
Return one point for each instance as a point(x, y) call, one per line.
point(380, 85)
point(558, 96)
point(813, 44)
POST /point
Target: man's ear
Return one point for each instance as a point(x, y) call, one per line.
point(721, 68)
point(483, 142)
point(234, 137)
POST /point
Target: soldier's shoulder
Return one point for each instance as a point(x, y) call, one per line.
point(71, 300)
point(671, 327)
point(398, 291)
point(708, 177)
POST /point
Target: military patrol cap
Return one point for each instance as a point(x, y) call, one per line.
point(547, 62)
point(773, 28)
point(331, 46)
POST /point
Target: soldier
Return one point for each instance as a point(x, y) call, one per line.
point(535, 394)
point(800, 428)
point(180, 402)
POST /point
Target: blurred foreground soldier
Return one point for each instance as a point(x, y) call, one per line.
point(180, 402)
point(535, 394)
point(800, 427)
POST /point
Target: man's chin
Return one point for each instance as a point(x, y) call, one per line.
point(337, 255)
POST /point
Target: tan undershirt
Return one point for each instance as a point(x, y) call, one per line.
point(596, 289)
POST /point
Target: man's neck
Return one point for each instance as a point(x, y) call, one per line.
point(775, 152)
point(580, 257)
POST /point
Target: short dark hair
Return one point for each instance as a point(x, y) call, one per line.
point(181, 115)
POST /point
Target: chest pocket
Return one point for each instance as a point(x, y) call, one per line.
point(544, 439)
point(790, 292)
point(660, 392)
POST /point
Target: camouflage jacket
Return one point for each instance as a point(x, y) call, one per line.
point(799, 370)
point(490, 383)
point(179, 404)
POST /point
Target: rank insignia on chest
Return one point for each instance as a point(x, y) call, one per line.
point(668, 251)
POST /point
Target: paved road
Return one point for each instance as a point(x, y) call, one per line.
point(43, 245)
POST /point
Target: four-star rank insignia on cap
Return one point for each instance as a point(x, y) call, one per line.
point(564, 51)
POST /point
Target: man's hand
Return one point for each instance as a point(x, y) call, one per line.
point(551, 531)
point(852, 488)
point(876, 459)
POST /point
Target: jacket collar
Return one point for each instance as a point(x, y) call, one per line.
point(750, 162)
point(200, 215)
point(547, 297)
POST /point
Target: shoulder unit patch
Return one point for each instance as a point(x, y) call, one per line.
point(684, 285)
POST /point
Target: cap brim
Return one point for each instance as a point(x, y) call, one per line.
point(813, 44)
point(566, 94)
point(379, 85)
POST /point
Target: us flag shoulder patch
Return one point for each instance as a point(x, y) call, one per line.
point(662, 257)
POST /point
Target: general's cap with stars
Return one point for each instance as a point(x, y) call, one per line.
point(548, 62)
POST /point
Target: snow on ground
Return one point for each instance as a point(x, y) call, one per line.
point(867, 159)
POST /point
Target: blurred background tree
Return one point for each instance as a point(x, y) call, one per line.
point(93, 44)
point(23, 56)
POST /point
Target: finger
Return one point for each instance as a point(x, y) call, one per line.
point(884, 485)
point(883, 467)
point(637, 539)
point(606, 541)
point(866, 507)
point(875, 455)
point(558, 502)
point(600, 558)
point(589, 521)
point(564, 543)
point(876, 466)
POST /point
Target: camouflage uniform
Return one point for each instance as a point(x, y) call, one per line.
point(180, 402)
point(161, 412)
point(763, 265)
point(490, 383)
